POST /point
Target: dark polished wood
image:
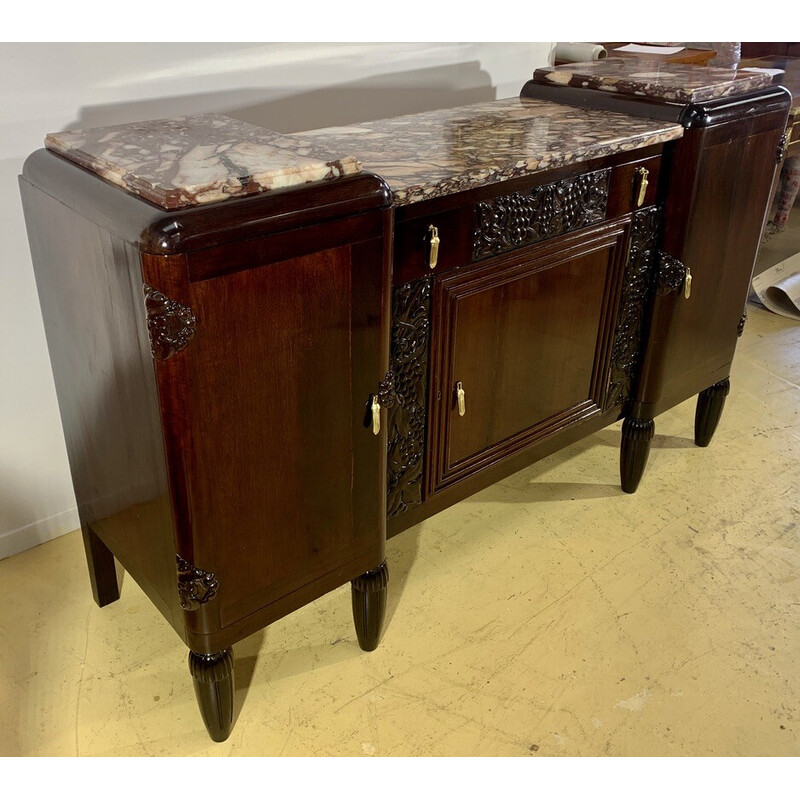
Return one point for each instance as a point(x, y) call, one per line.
point(212, 674)
point(219, 368)
point(102, 569)
point(538, 318)
point(720, 184)
point(368, 593)
point(215, 412)
point(636, 437)
point(710, 403)
point(455, 215)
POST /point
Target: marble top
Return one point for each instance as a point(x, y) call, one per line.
point(437, 153)
point(205, 158)
point(647, 77)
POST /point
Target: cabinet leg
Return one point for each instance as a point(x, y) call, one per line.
point(369, 605)
point(213, 686)
point(710, 403)
point(636, 437)
point(102, 569)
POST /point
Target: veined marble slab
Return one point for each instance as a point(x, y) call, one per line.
point(205, 158)
point(643, 77)
point(442, 152)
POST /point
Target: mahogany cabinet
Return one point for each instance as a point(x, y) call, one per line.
point(219, 377)
point(720, 179)
point(255, 393)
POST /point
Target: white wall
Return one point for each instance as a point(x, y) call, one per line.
point(285, 87)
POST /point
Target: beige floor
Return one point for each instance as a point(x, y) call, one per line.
point(548, 615)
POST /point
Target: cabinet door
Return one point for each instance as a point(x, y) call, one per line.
point(719, 192)
point(284, 477)
point(524, 340)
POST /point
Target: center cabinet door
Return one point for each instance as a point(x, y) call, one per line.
point(522, 348)
point(285, 477)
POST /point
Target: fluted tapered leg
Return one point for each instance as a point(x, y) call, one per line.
point(213, 686)
point(710, 403)
point(636, 437)
point(102, 570)
point(369, 605)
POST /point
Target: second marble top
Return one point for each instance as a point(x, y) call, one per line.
point(437, 153)
point(677, 83)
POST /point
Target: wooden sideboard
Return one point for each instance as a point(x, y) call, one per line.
point(256, 392)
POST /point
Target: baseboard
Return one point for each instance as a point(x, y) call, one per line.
point(13, 542)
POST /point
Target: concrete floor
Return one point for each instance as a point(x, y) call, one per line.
point(548, 615)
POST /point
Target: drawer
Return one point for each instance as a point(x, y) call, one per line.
point(519, 213)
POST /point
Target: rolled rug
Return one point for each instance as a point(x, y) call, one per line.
point(579, 51)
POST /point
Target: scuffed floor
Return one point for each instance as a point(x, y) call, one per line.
point(548, 615)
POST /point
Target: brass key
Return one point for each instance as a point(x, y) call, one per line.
point(461, 397)
point(434, 254)
point(643, 173)
point(376, 415)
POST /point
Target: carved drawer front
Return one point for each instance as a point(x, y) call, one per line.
point(521, 349)
point(517, 214)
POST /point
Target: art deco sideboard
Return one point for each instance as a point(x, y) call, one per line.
point(268, 358)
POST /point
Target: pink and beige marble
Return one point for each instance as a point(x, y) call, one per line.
point(191, 160)
point(643, 77)
point(441, 152)
point(186, 161)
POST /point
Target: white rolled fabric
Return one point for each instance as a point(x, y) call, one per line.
point(579, 51)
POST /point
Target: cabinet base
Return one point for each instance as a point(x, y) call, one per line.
point(213, 686)
point(369, 605)
point(102, 569)
point(710, 403)
point(636, 437)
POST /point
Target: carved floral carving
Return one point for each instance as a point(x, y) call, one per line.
point(195, 586)
point(780, 151)
point(411, 311)
point(671, 274)
point(386, 391)
point(514, 220)
point(637, 287)
point(170, 325)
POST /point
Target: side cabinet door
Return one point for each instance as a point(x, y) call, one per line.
point(522, 346)
point(719, 195)
point(284, 475)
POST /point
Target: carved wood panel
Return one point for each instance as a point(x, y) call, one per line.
point(637, 287)
point(517, 219)
point(411, 311)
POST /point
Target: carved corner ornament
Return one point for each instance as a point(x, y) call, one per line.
point(671, 274)
point(780, 151)
point(170, 325)
point(195, 586)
